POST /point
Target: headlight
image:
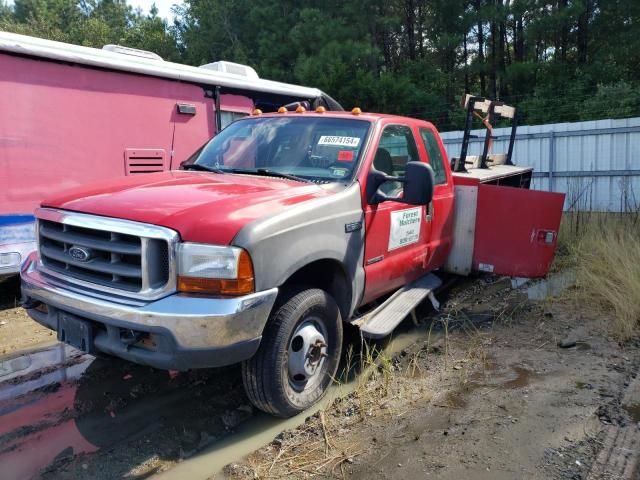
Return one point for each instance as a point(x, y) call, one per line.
point(214, 270)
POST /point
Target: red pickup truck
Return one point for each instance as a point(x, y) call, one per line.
point(270, 237)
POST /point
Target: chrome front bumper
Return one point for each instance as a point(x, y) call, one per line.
point(188, 332)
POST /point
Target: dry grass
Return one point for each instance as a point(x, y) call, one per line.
point(605, 252)
point(315, 449)
point(319, 447)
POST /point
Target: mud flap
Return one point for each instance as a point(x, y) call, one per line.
point(516, 230)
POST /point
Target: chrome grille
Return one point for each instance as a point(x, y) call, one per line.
point(107, 254)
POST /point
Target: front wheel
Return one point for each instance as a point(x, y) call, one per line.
point(298, 356)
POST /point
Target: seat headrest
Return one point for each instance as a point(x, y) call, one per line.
point(383, 162)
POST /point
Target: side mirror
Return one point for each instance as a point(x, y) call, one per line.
point(418, 185)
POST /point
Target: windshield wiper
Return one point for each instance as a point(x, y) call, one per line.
point(258, 171)
point(272, 173)
point(201, 168)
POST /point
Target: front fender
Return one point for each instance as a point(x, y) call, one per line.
point(281, 244)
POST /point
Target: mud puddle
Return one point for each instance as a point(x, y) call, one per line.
point(35, 396)
point(29, 370)
point(62, 411)
point(67, 415)
point(490, 379)
point(633, 410)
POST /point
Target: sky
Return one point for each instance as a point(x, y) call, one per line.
point(164, 6)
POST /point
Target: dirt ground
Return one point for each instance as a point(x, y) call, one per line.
point(480, 390)
point(17, 330)
point(498, 398)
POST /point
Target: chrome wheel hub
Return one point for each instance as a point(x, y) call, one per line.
point(307, 352)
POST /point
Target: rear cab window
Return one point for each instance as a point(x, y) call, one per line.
point(434, 155)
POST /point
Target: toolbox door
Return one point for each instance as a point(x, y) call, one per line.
point(516, 230)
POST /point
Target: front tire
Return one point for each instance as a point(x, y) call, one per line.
point(298, 355)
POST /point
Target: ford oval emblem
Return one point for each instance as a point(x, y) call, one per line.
point(82, 254)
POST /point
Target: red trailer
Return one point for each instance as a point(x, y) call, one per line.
point(72, 114)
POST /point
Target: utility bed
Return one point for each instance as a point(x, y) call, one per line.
point(497, 216)
point(507, 175)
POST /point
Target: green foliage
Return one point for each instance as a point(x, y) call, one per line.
point(618, 100)
point(561, 60)
point(92, 23)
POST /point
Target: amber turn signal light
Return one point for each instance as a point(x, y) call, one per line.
point(242, 285)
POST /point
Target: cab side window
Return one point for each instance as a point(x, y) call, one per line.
point(396, 147)
point(435, 155)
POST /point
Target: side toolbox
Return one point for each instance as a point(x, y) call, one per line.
point(505, 230)
point(516, 230)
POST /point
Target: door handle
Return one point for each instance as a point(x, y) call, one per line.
point(429, 212)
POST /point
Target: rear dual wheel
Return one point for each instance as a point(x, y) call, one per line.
point(298, 356)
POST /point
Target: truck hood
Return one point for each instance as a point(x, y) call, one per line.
point(201, 206)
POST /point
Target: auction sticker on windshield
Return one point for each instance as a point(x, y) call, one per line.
point(405, 227)
point(339, 141)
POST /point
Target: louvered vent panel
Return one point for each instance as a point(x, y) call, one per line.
point(144, 160)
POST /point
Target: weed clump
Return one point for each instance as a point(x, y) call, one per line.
point(606, 254)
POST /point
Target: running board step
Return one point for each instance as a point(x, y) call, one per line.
point(380, 322)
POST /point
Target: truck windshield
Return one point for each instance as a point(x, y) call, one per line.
point(310, 148)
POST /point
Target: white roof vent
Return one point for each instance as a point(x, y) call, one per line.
point(233, 68)
point(135, 52)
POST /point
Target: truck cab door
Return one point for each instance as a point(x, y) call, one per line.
point(440, 211)
point(396, 234)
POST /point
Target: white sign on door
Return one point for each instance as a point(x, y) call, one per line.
point(405, 227)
